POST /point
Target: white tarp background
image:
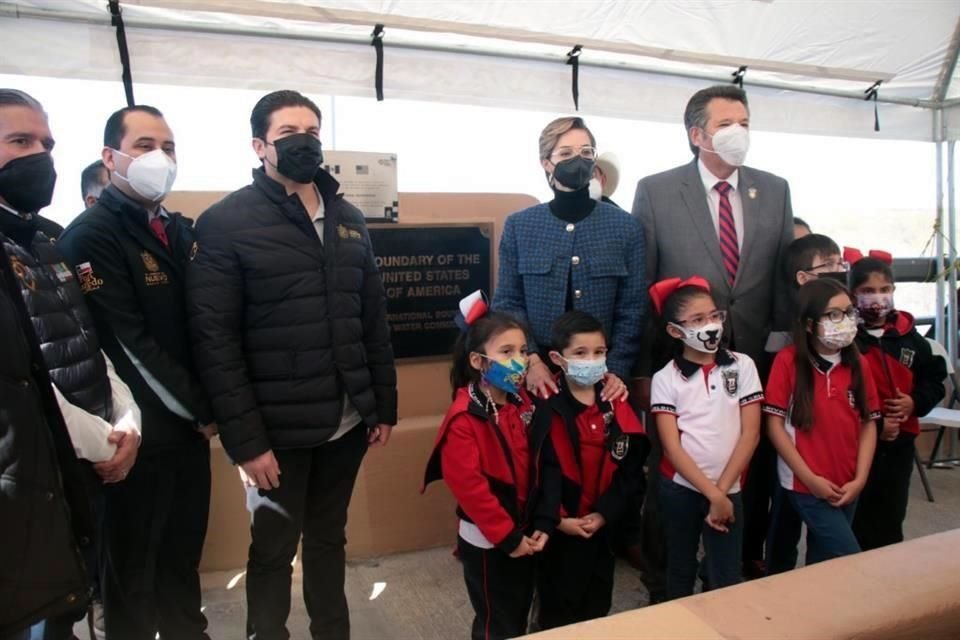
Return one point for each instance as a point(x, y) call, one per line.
point(814, 45)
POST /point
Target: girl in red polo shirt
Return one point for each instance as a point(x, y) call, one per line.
point(706, 402)
point(821, 404)
point(491, 462)
point(909, 381)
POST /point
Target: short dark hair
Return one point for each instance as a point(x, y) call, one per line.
point(92, 177)
point(115, 129)
point(17, 98)
point(800, 222)
point(800, 253)
point(861, 270)
point(695, 115)
point(260, 116)
point(572, 323)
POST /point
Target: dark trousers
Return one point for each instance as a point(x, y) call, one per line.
point(500, 589)
point(757, 494)
point(683, 511)
point(882, 506)
point(829, 534)
point(312, 500)
point(575, 579)
point(154, 525)
point(653, 543)
point(786, 527)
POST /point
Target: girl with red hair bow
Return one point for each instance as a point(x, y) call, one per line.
point(706, 403)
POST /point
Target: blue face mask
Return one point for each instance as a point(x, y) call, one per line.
point(586, 373)
point(505, 375)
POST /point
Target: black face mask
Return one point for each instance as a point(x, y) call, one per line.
point(298, 157)
point(574, 173)
point(26, 183)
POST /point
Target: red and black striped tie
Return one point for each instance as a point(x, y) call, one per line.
point(728, 232)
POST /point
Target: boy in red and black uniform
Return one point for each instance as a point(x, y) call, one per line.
point(601, 448)
point(909, 379)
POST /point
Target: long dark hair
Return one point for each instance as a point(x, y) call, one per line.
point(813, 299)
point(472, 340)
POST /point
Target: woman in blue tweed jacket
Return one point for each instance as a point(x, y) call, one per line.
point(574, 253)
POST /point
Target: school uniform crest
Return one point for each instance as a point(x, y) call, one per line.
point(527, 416)
point(620, 447)
point(852, 399)
point(63, 272)
point(907, 356)
point(731, 381)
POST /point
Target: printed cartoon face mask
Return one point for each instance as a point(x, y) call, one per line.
point(837, 335)
point(705, 338)
point(505, 375)
point(874, 307)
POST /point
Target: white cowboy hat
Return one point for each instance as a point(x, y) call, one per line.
point(609, 166)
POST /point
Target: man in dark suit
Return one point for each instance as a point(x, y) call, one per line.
point(130, 256)
point(730, 224)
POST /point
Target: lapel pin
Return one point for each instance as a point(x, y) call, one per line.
point(752, 193)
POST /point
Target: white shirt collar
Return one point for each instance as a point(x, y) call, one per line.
point(321, 209)
point(710, 180)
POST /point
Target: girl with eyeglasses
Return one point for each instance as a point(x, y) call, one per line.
point(821, 405)
point(706, 403)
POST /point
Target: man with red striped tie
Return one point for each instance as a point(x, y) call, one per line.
point(731, 224)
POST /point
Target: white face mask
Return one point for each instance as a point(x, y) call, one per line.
point(705, 339)
point(596, 189)
point(150, 175)
point(731, 144)
point(837, 335)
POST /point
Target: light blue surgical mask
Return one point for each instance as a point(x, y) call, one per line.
point(586, 373)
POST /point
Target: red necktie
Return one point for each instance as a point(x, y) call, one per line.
point(156, 225)
point(728, 232)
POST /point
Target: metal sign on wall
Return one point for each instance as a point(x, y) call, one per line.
point(426, 269)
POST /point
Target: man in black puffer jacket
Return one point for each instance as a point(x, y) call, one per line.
point(288, 318)
point(44, 509)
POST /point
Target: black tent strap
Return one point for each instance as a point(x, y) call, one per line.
point(116, 19)
point(573, 59)
point(738, 76)
point(871, 94)
point(377, 43)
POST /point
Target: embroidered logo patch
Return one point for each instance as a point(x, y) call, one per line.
point(620, 447)
point(63, 272)
point(852, 399)
point(193, 250)
point(907, 356)
point(89, 282)
point(153, 276)
point(23, 274)
point(347, 233)
point(731, 381)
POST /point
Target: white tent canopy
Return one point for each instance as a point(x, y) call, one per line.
point(809, 62)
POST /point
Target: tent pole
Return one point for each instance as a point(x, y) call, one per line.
point(938, 235)
point(951, 239)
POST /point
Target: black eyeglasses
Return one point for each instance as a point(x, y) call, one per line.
point(836, 316)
